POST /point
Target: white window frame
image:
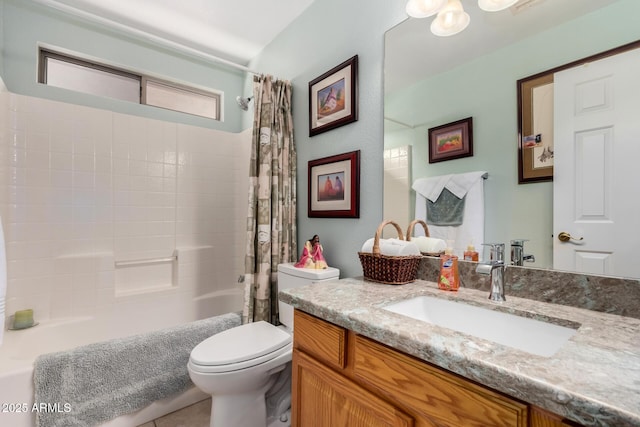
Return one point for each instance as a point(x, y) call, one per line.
point(213, 98)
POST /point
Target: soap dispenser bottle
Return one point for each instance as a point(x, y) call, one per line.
point(471, 254)
point(449, 276)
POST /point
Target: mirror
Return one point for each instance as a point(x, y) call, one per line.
point(431, 81)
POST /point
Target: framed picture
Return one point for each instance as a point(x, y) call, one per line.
point(451, 141)
point(333, 98)
point(334, 186)
point(535, 128)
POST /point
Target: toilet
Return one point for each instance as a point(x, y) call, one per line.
point(247, 369)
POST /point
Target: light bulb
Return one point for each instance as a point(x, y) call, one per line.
point(424, 8)
point(495, 5)
point(450, 20)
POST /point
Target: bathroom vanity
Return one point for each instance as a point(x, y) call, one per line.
point(357, 363)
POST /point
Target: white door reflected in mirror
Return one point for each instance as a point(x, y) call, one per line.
point(596, 179)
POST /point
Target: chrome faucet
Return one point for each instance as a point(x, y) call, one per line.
point(518, 257)
point(495, 269)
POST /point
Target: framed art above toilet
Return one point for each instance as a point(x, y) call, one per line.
point(334, 186)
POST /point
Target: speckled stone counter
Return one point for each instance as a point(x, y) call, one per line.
point(613, 295)
point(594, 379)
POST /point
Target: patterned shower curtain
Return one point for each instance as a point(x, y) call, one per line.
point(271, 220)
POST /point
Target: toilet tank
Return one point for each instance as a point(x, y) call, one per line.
point(293, 277)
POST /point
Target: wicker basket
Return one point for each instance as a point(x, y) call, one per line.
point(426, 233)
point(387, 269)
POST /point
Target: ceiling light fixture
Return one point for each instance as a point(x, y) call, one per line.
point(424, 8)
point(495, 5)
point(451, 18)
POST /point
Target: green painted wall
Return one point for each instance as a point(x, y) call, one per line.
point(326, 34)
point(485, 89)
point(26, 24)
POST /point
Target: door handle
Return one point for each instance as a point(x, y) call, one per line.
point(565, 237)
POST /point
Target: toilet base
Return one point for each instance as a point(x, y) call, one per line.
point(278, 400)
point(266, 407)
point(284, 421)
point(245, 410)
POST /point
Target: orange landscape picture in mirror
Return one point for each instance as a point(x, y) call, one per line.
point(451, 141)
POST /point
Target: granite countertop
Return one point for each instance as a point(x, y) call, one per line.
point(594, 379)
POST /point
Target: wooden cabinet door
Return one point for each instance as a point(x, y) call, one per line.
point(323, 398)
point(322, 340)
point(431, 393)
point(538, 417)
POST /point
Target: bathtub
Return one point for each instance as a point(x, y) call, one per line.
point(20, 349)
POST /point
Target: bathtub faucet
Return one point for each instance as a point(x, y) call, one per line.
point(495, 269)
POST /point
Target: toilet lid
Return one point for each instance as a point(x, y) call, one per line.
point(239, 344)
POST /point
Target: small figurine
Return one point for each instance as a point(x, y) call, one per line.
point(312, 255)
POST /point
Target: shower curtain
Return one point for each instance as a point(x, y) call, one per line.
point(271, 220)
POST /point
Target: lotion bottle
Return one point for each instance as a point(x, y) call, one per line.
point(449, 279)
point(471, 254)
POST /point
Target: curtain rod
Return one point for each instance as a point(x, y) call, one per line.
point(139, 33)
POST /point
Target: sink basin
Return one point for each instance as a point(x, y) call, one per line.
point(530, 335)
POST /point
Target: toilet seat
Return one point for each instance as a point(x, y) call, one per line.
point(239, 348)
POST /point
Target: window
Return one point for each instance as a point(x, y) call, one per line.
point(77, 74)
point(187, 100)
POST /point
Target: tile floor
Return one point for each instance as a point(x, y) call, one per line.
point(196, 415)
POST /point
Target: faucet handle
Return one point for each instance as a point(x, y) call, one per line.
point(518, 242)
point(517, 252)
point(497, 251)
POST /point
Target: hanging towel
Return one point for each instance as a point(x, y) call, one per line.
point(458, 184)
point(447, 210)
point(469, 185)
point(431, 187)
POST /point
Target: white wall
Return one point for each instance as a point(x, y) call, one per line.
point(82, 188)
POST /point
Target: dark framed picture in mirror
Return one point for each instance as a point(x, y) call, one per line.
point(535, 128)
point(333, 97)
point(451, 141)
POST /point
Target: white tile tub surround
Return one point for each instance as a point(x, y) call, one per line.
point(22, 347)
point(82, 188)
point(397, 187)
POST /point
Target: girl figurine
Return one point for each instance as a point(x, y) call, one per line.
point(312, 255)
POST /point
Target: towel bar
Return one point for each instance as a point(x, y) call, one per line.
point(134, 262)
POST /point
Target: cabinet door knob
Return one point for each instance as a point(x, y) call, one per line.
point(565, 237)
